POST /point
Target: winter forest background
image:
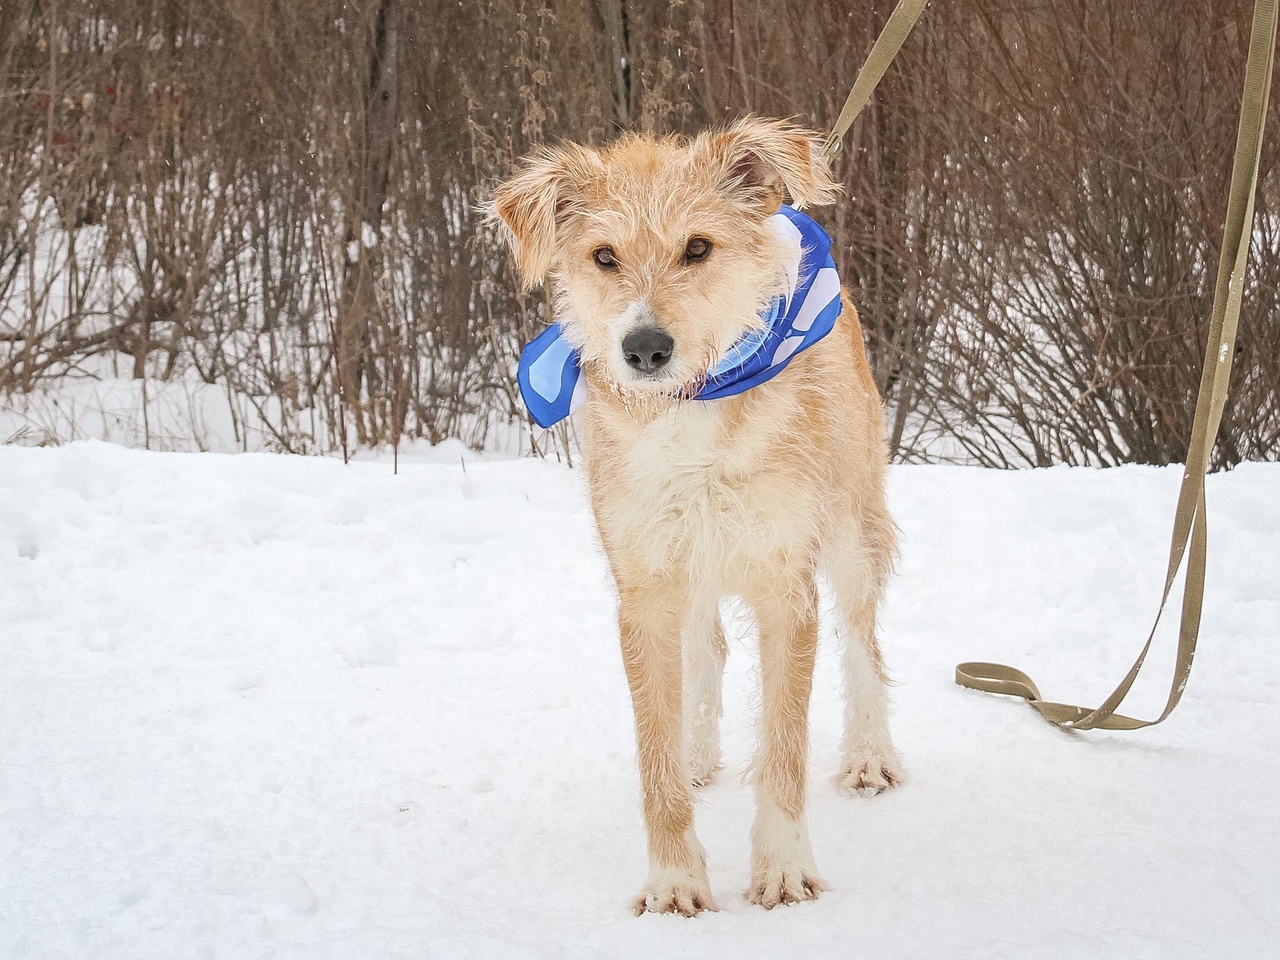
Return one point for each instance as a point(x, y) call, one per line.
point(255, 223)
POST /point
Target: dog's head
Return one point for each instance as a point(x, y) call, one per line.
point(661, 248)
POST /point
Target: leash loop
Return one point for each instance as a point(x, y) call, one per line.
point(1190, 533)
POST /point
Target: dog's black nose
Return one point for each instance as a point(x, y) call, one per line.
point(647, 349)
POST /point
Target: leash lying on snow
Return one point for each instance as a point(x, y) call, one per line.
point(1189, 528)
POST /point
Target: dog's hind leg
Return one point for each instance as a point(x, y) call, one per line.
point(859, 568)
point(782, 866)
point(705, 651)
point(650, 611)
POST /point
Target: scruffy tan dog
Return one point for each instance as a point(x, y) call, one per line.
point(663, 260)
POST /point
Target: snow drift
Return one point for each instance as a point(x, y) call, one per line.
point(267, 706)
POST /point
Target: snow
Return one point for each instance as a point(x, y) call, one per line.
point(183, 413)
point(272, 706)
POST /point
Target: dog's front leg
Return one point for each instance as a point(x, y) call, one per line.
point(782, 867)
point(650, 612)
point(705, 651)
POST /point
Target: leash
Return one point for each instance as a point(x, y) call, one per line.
point(886, 47)
point(1189, 526)
point(1189, 520)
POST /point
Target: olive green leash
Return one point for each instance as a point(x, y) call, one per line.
point(1189, 526)
point(886, 47)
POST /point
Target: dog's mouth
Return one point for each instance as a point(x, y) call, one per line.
point(670, 383)
point(659, 383)
point(651, 362)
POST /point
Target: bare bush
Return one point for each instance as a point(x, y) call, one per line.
point(279, 202)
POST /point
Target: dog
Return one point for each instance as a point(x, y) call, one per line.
point(666, 254)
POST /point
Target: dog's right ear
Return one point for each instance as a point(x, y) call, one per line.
point(535, 201)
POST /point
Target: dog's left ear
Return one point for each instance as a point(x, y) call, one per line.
point(536, 200)
point(768, 161)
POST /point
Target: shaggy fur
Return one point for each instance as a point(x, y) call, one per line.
point(750, 495)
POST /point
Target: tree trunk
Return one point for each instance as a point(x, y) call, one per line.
point(360, 383)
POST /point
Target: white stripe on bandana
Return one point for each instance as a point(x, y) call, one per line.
point(550, 376)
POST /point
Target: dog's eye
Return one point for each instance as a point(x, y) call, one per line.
point(605, 259)
point(699, 248)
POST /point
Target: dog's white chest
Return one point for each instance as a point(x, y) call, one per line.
point(699, 496)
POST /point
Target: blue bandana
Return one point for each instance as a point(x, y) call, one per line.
point(550, 376)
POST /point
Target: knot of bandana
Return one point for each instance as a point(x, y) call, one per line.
point(550, 375)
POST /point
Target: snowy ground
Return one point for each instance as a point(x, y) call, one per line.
point(263, 706)
point(183, 413)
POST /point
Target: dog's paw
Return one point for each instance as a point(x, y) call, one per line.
point(687, 896)
point(782, 867)
point(870, 774)
point(783, 882)
point(702, 751)
point(702, 773)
